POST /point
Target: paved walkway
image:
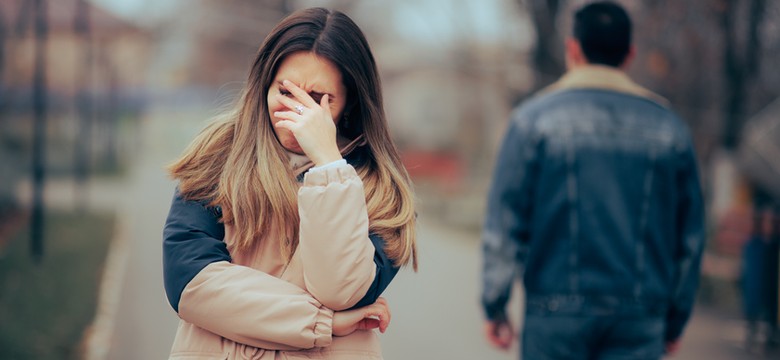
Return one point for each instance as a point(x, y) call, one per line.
point(145, 324)
point(713, 335)
point(436, 312)
point(133, 320)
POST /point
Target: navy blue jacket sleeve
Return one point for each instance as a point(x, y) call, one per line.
point(509, 210)
point(385, 272)
point(192, 239)
point(691, 240)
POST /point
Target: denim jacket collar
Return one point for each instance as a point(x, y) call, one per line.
point(603, 77)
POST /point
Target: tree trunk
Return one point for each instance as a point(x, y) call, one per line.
point(39, 132)
point(81, 163)
point(3, 36)
point(739, 66)
point(548, 64)
point(112, 119)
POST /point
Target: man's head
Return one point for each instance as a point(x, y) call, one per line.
point(602, 35)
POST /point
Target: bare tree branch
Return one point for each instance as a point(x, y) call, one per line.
point(39, 130)
point(548, 64)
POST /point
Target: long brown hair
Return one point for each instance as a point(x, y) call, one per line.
point(238, 163)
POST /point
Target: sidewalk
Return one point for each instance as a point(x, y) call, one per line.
point(713, 335)
point(134, 319)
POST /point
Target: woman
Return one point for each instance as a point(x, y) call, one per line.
point(293, 212)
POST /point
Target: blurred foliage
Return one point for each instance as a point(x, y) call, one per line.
point(45, 308)
point(713, 59)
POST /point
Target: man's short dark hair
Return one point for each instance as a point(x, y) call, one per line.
point(603, 30)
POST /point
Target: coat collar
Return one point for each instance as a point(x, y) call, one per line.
point(602, 77)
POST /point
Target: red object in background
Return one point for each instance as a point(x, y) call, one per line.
point(732, 231)
point(440, 168)
point(735, 227)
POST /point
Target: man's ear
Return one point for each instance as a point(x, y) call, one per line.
point(574, 55)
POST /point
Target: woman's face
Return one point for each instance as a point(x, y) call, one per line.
point(315, 75)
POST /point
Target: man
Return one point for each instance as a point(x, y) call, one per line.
point(596, 195)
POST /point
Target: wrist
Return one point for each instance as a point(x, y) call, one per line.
point(324, 159)
point(497, 315)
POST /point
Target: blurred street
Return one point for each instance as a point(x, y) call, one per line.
point(436, 312)
point(98, 96)
point(712, 335)
point(135, 320)
point(145, 323)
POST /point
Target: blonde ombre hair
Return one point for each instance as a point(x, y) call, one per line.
point(237, 162)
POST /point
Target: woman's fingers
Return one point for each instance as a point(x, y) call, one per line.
point(368, 324)
point(290, 103)
point(325, 105)
point(293, 106)
point(299, 94)
point(387, 307)
point(376, 315)
point(380, 312)
point(286, 124)
point(288, 115)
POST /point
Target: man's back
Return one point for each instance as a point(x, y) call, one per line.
point(596, 196)
point(607, 173)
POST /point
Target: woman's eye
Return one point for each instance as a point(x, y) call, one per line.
point(284, 92)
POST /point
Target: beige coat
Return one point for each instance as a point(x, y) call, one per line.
point(258, 307)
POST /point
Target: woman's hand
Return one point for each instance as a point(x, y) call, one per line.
point(312, 124)
point(376, 315)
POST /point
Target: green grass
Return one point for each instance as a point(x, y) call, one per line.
point(45, 307)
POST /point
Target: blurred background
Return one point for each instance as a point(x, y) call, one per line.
point(97, 96)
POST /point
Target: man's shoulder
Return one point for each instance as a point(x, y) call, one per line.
point(546, 100)
point(564, 109)
point(534, 105)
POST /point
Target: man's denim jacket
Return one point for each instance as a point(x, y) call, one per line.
point(596, 196)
